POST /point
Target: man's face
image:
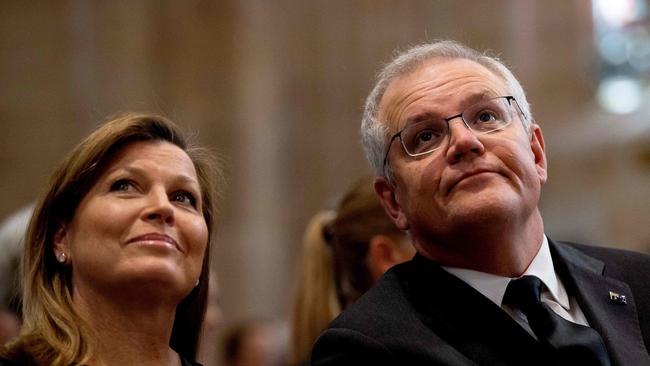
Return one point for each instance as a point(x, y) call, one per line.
point(471, 181)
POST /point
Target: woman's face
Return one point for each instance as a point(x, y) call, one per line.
point(139, 228)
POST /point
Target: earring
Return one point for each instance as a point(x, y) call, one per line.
point(61, 257)
point(197, 282)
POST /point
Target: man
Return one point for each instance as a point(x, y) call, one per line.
point(460, 164)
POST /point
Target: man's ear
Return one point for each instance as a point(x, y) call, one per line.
point(386, 193)
point(539, 151)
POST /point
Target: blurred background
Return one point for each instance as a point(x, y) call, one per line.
point(276, 88)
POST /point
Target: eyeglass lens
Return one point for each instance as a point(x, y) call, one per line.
point(483, 117)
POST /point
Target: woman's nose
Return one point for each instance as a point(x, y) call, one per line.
point(159, 208)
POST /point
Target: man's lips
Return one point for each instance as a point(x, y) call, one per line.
point(466, 175)
point(155, 238)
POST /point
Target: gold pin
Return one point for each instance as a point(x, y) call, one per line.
point(617, 298)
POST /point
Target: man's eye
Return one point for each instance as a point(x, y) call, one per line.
point(486, 116)
point(184, 197)
point(122, 185)
point(424, 136)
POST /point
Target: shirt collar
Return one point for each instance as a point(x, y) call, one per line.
point(494, 287)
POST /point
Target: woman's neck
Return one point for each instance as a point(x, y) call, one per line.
point(128, 330)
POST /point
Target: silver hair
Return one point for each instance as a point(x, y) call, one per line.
point(374, 133)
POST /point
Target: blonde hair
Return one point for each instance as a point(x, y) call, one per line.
point(53, 333)
point(334, 271)
point(316, 302)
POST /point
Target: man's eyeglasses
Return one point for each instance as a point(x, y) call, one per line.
point(424, 137)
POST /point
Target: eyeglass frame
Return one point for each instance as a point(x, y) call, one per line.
point(508, 98)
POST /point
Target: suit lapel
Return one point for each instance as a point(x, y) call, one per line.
point(616, 322)
point(467, 320)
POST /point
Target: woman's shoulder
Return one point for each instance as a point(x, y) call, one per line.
point(15, 356)
point(185, 361)
point(6, 362)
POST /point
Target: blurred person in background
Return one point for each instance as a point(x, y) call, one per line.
point(344, 253)
point(255, 343)
point(115, 269)
point(460, 163)
point(12, 236)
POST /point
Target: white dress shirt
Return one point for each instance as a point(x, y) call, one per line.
point(554, 294)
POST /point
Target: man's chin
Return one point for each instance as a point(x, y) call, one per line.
point(486, 206)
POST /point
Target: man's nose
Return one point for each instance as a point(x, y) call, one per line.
point(158, 207)
point(463, 142)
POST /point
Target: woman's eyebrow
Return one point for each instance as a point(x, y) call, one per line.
point(138, 171)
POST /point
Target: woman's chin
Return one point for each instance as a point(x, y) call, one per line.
point(154, 280)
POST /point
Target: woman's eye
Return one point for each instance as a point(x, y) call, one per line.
point(122, 185)
point(184, 198)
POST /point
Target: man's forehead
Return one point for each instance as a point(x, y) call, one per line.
point(440, 70)
point(442, 78)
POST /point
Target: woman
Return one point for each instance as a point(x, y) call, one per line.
point(345, 252)
point(116, 259)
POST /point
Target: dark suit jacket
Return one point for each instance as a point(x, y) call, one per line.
point(419, 314)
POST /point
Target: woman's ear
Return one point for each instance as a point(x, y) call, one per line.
point(61, 246)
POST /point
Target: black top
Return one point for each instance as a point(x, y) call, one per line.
point(5, 362)
point(184, 361)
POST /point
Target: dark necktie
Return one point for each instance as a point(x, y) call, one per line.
point(572, 344)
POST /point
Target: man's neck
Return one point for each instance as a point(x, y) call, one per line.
point(505, 250)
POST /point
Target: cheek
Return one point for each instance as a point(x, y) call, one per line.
point(199, 241)
point(520, 162)
point(429, 171)
point(527, 161)
point(422, 177)
point(426, 179)
point(197, 235)
point(96, 222)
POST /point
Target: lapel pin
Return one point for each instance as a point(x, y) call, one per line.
point(617, 298)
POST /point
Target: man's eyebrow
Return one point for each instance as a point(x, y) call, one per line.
point(466, 101)
point(424, 116)
point(477, 97)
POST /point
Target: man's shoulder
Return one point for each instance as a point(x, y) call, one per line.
point(382, 305)
point(388, 314)
point(625, 265)
point(384, 327)
point(622, 259)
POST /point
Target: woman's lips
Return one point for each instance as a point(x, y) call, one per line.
point(155, 239)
